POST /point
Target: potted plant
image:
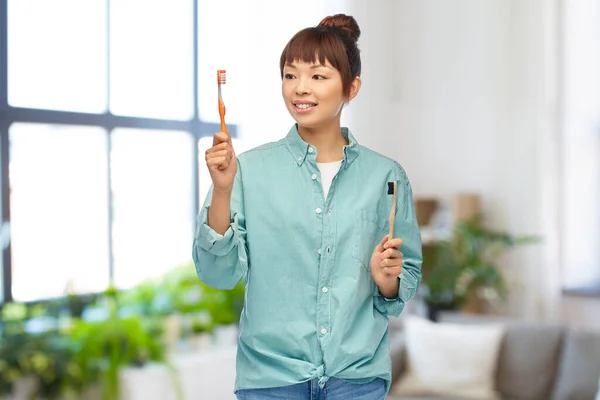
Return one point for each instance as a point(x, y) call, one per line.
point(115, 342)
point(464, 269)
point(52, 360)
point(42, 366)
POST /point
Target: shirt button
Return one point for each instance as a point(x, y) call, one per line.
point(319, 251)
point(323, 331)
point(299, 158)
point(318, 211)
point(324, 290)
point(314, 176)
point(310, 149)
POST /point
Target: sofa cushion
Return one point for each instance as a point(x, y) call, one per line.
point(579, 367)
point(528, 360)
point(450, 360)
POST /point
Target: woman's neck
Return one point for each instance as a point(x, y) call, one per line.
point(328, 141)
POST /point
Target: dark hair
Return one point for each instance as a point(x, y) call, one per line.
point(335, 40)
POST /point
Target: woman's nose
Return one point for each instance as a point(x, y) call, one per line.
point(303, 87)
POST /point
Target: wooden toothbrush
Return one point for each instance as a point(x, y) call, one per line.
point(221, 81)
point(392, 190)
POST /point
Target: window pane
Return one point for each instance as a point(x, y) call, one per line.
point(151, 58)
point(58, 177)
point(57, 54)
point(153, 213)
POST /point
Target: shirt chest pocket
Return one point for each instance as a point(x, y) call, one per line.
point(369, 230)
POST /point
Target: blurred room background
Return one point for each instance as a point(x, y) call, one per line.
point(107, 108)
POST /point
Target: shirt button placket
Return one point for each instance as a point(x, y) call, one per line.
point(323, 296)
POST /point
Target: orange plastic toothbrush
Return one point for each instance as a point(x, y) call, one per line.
point(221, 81)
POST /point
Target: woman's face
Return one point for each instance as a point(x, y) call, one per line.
point(313, 93)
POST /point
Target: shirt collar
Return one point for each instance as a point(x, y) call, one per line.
point(299, 149)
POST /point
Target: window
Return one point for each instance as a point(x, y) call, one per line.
point(100, 127)
point(109, 108)
point(57, 54)
point(59, 217)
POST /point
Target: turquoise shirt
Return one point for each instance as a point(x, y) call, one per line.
point(312, 309)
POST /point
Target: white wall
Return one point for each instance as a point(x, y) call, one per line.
point(581, 143)
point(465, 100)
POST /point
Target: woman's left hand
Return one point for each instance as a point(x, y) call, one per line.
point(386, 261)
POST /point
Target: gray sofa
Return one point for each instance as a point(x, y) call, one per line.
point(536, 362)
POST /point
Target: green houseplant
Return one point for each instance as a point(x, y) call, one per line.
point(108, 345)
point(466, 266)
point(47, 359)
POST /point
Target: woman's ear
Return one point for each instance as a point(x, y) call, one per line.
point(354, 89)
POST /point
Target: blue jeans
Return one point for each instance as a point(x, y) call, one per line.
point(334, 389)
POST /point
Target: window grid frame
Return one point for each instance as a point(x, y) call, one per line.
point(9, 115)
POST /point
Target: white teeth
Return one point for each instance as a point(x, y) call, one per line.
point(304, 106)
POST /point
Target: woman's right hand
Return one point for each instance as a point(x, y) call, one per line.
point(221, 162)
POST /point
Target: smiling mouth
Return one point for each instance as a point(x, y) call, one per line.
point(302, 107)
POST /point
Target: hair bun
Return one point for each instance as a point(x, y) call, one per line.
point(344, 22)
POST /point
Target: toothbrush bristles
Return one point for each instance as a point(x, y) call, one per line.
point(391, 188)
point(221, 76)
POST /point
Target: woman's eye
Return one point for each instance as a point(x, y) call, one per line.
point(319, 77)
point(288, 76)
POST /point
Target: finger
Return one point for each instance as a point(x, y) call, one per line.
point(390, 263)
point(221, 153)
point(215, 164)
point(393, 243)
point(391, 253)
point(219, 163)
point(221, 137)
point(380, 247)
point(396, 271)
point(219, 147)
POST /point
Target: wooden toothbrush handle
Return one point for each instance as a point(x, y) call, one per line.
point(393, 213)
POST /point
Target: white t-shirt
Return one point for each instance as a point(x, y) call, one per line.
point(328, 172)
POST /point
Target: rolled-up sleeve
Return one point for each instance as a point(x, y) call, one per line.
point(222, 260)
point(406, 228)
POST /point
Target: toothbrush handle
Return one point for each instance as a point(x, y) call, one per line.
point(392, 222)
point(393, 213)
point(222, 115)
